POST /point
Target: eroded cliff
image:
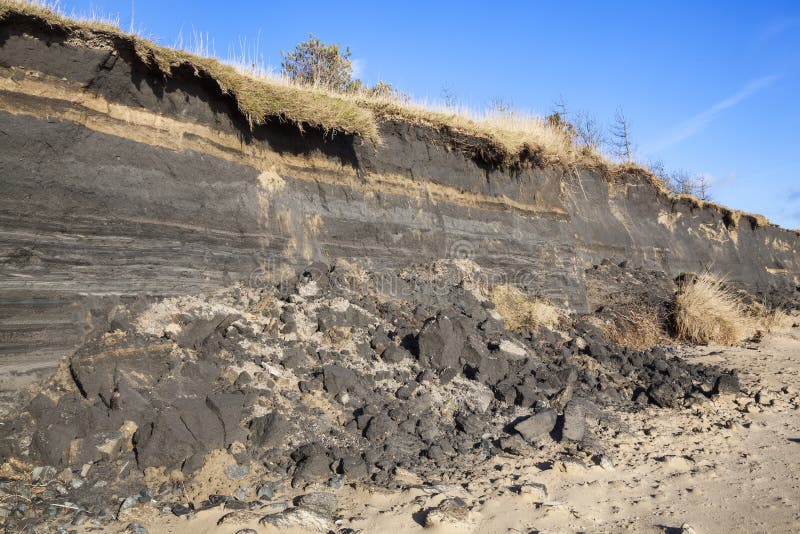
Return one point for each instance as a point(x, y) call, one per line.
point(120, 184)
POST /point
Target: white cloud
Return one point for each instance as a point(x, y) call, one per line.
point(699, 122)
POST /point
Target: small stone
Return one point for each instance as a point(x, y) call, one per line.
point(298, 517)
point(242, 493)
point(236, 471)
point(322, 503)
point(605, 462)
point(727, 384)
point(136, 528)
point(246, 531)
point(129, 502)
point(180, 509)
point(451, 510)
point(265, 491)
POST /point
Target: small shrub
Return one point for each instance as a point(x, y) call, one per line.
point(708, 312)
point(319, 64)
point(521, 312)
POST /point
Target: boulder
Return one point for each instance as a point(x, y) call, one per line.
point(337, 379)
point(439, 343)
point(537, 426)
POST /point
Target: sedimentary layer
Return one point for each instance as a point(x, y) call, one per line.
point(122, 185)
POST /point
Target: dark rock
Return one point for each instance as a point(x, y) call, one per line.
point(574, 421)
point(338, 379)
point(439, 343)
point(269, 430)
point(665, 395)
point(354, 467)
point(180, 509)
point(379, 428)
point(727, 384)
point(313, 468)
point(229, 409)
point(395, 354)
point(537, 426)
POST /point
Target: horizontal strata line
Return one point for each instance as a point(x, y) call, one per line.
point(45, 97)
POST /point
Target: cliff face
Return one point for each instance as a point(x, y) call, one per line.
point(121, 185)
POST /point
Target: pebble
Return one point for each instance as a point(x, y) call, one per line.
point(136, 528)
point(336, 482)
point(236, 471)
point(242, 493)
point(265, 491)
point(129, 502)
point(180, 509)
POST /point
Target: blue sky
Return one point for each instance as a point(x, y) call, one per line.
point(708, 87)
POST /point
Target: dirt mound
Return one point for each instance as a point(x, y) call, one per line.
point(338, 375)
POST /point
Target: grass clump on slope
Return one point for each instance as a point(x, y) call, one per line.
point(520, 312)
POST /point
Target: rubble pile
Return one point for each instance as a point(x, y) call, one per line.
point(336, 376)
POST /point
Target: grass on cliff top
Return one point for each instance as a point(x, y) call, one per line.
point(502, 139)
point(261, 96)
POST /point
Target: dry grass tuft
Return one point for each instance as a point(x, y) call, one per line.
point(637, 328)
point(708, 312)
point(521, 312)
point(770, 319)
